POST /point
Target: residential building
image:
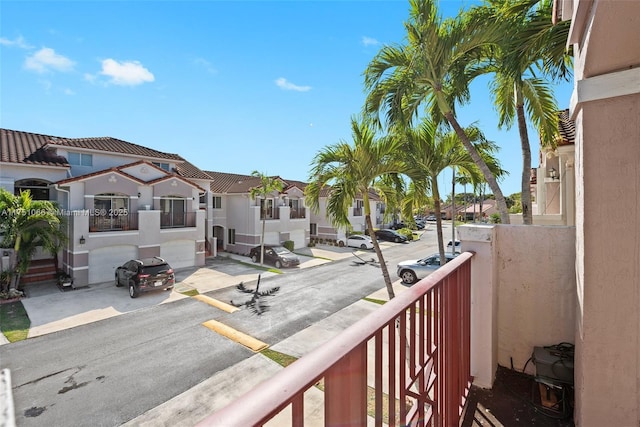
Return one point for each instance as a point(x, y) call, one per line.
point(121, 200)
point(321, 229)
point(235, 218)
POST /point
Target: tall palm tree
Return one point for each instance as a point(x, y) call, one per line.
point(429, 153)
point(350, 171)
point(434, 67)
point(267, 186)
point(518, 91)
point(27, 224)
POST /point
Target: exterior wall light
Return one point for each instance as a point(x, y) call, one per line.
point(553, 173)
point(82, 240)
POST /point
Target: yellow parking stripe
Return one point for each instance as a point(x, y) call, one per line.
point(235, 335)
point(218, 304)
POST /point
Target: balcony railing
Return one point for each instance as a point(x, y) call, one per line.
point(415, 350)
point(105, 222)
point(297, 213)
point(177, 219)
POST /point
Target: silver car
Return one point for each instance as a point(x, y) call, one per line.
point(413, 270)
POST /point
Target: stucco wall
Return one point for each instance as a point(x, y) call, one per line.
point(535, 269)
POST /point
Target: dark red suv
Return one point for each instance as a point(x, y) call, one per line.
point(145, 274)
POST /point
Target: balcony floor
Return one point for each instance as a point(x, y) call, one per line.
point(514, 400)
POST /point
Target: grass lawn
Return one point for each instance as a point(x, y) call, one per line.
point(14, 322)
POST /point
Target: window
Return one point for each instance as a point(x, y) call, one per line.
point(80, 159)
point(357, 211)
point(313, 229)
point(110, 212)
point(203, 198)
point(39, 189)
point(173, 212)
point(217, 202)
point(232, 236)
point(163, 166)
point(266, 209)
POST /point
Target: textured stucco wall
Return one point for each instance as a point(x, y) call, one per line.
point(535, 267)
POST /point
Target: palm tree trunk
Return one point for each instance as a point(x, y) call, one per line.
point(527, 216)
point(437, 206)
point(376, 247)
point(488, 176)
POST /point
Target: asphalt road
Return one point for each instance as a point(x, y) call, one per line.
point(109, 372)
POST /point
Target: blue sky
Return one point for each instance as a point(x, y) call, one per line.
point(231, 86)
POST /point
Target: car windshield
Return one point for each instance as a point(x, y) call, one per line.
point(281, 250)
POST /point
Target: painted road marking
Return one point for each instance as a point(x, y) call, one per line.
point(235, 335)
point(216, 303)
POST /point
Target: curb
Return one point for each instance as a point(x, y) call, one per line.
point(7, 416)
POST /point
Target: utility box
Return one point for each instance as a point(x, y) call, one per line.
point(554, 364)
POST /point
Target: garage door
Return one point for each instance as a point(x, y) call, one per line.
point(179, 253)
point(298, 238)
point(270, 238)
point(104, 261)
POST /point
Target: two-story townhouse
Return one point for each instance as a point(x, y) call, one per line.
point(235, 218)
point(121, 200)
point(322, 230)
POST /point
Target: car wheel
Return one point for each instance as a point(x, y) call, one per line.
point(363, 246)
point(397, 240)
point(254, 258)
point(278, 264)
point(408, 277)
point(133, 290)
point(118, 284)
point(341, 244)
point(170, 288)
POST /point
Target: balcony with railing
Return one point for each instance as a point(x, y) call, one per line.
point(177, 219)
point(297, 213)
point(408, 363)
point(100, 222)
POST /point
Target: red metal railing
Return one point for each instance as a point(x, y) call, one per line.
point(415, 350)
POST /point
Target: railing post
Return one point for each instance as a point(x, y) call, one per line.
point(348, 377)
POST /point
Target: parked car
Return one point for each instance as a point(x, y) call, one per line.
point(397, 225)
point(357, 241)
point(276, 255)
point(420, 224)
point(147, 274)
point(413, 270)
point(390, 236)
point(457, 245)
point(431, 218)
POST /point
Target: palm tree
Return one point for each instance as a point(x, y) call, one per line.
point(517, 91)
point(350, 171)
point(429, 153)
point(26, 225)
point(434, 67)
point(267, 186)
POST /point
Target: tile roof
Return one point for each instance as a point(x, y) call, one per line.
point(28, 148)
point(566, 128)
point(32, 148)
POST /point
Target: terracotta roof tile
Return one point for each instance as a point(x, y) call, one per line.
point(566, 128)
point(28, 148)
point(32, 148)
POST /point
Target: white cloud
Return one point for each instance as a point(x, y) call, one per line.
point(18, 42)
point(287, 85)
point(369, 41)
point(126, 73)
point(206, 65)
point(46, 59)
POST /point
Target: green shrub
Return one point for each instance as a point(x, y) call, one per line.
point(289, 245)
point(495, 218)
point(407, 232)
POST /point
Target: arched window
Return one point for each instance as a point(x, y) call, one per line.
point(38, 188)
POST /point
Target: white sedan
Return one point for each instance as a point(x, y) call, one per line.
point(358, 241)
